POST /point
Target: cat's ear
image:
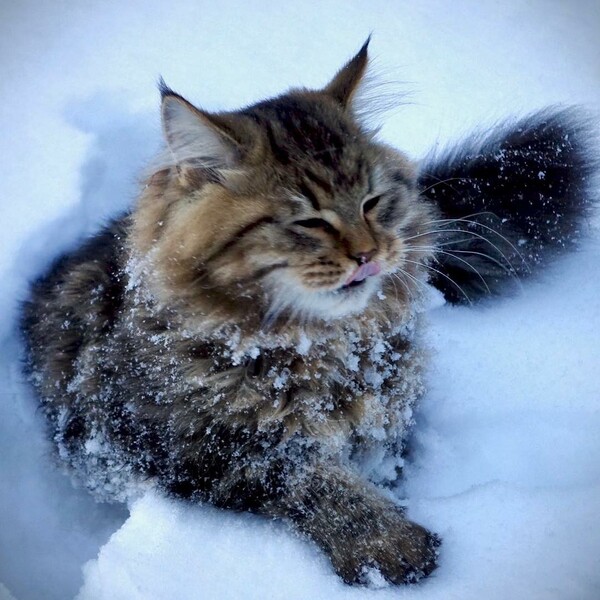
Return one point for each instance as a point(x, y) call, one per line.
point(347, 80)
point(195, 135)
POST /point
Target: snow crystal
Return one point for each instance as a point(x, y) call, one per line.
point(373, 578)
point(279, 379)
point(95, 444)
point(304, 344)
point(352, 362)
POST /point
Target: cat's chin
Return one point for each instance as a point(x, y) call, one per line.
point(327, 304)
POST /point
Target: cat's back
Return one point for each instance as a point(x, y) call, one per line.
point(74, 304)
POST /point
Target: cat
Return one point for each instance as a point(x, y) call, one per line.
point(249, 334)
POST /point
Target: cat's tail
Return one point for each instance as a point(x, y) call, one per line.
point(509, 200)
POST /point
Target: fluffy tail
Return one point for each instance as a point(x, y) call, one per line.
point(509, 201)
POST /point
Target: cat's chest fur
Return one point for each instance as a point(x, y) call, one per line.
point(344, 386)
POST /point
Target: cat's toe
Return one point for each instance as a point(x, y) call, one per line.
point(402, 556)
point(412, 557)
point(425, 561)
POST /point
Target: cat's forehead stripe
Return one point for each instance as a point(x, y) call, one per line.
point(320, 181)
point(309, 195)
point(296, 126)
point(280, 152)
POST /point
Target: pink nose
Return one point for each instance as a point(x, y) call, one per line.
point(365, 270)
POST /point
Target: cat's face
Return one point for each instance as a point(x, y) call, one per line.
point(288, 203)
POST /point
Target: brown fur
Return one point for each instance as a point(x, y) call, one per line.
point(208, 341)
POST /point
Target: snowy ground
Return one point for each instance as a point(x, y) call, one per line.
point(506, 463)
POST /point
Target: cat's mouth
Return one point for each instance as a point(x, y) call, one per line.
point(360, 275)
point(353, 284)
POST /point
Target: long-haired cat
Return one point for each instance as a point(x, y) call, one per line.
point(249, 334)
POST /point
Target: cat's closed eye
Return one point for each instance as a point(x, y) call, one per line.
point(316, 223)
point(370, 204)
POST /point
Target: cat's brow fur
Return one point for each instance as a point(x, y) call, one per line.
point(218, 342)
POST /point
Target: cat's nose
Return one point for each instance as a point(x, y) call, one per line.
point(364, 257)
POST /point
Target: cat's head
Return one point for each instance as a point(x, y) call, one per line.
point(287, 206)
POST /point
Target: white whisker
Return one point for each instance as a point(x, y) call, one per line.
point(476, 223)
point(444, 181)
point(394, 276)
point(468, 265)
point(471, 233)
point(443, 275)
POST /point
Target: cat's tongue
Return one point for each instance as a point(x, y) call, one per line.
point(364, 271)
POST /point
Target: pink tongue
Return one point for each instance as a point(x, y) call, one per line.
point(364, 271)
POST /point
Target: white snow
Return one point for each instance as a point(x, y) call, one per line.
point(506, 464)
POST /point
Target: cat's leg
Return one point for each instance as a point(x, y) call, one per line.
point(348, 517)
point(358, 528)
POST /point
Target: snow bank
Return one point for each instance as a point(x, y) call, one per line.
point(506, 462)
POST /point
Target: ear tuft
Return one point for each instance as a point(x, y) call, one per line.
point(346, 81)
point(163, 88)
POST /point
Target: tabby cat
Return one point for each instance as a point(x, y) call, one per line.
point(248, 335)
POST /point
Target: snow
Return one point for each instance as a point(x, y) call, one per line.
point(506, 461)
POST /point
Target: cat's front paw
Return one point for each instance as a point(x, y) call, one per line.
point(404, 553)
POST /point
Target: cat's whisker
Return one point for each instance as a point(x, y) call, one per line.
point(452, 242)
point(394, 277)
point(469, 216)
point(466, 263)
point(443, 275)
point(437, 251)
point(416, 280)
point(469, 220)
point(393, 282)
point(509, 271)
point(463, 231)
point(492, 230)
point(444, 181)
